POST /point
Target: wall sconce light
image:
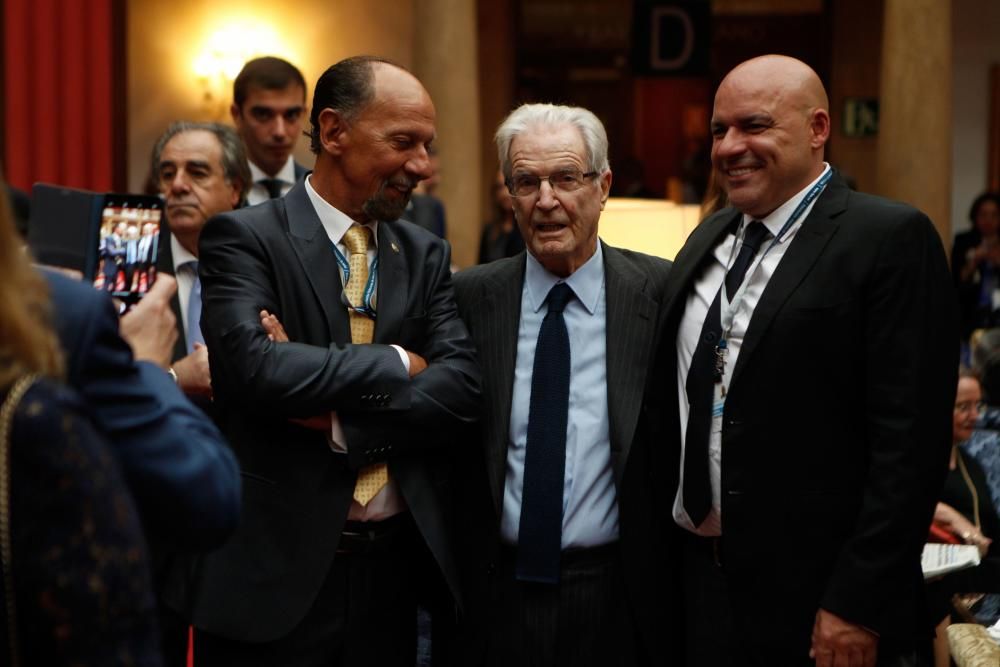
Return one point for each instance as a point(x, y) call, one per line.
point(222, 57)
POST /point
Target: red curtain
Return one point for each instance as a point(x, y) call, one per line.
point(63, 94)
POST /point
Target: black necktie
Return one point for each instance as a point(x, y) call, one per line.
point(273, 186)
point(701, 382)
point(539, 541)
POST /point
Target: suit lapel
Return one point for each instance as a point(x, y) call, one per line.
point(312, 246)
point(500, 314)
point(393, 286)
point(630, 323)
point(805, 249)
point(691, 259)
point(180, 345)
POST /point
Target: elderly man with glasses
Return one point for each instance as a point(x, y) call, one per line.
point(564, 561)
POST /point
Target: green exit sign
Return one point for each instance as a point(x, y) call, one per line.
point(860, 117)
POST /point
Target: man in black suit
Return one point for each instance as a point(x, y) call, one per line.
point(814, 393)
point(563, 557)
point(201, 169)
point(269, 104)
point(343, 432)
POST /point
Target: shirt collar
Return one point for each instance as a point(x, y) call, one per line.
point(180, 254)
point(335, 222)
point(286, 174)
point(776, 220)
point(586, 282)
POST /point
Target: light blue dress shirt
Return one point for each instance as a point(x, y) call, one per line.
point(590, 506)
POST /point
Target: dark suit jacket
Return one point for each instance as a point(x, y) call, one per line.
point(297, 492)
point(489, 300)
point(184, 478)
point(426, 211)
point(837, 422)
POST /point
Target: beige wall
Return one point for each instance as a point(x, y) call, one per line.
point(915, 124)
point(976, 29)
point(166, 36)
point(445, 60)
point(854, 72)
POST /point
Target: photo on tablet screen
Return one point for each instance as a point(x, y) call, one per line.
point(127, 249)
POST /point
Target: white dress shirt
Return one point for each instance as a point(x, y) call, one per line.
point(258, 193)
point(689, 332)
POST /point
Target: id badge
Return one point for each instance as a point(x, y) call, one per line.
point(718, 405)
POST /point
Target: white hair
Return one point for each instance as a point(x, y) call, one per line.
point(595, 139)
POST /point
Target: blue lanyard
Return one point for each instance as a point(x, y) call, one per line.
point(728, 314)
point(367, 307)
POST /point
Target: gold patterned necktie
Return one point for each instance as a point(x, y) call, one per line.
point(371, 478)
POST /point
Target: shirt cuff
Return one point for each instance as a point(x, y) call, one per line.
point(403, 356)
point(338, 442)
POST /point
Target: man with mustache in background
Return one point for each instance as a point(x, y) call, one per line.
point(343, 431)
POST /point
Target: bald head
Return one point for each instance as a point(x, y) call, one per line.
point(787, 77)
point(769, 126)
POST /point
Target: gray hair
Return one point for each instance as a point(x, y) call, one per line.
point(234, 158)
point(547, 115)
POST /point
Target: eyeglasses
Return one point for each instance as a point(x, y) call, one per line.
point(567, 180)
point(969, 406)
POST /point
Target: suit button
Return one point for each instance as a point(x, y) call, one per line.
point(733, 422)
point(491, 569)
point(734, 492)
point(709, 337)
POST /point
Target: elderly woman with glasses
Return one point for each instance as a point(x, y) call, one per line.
point(965, 507)
point(966, 511)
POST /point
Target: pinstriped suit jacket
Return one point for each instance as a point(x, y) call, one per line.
point(489, 302)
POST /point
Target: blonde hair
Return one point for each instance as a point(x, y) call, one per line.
point(28, 343)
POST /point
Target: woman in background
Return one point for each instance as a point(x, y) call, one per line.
point(501, 237)
point(76, 586)
point(975, 265)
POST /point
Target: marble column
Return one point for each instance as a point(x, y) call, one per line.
point(915, 138)
point(445, 60)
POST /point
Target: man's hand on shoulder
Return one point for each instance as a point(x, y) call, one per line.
point(193, 376)
point(150, 328)
point(837, 642)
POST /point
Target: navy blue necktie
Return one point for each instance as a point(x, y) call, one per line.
point(273, 186)
point(701, 382)
point(539, 541)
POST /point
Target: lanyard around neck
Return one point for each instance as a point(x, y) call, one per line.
point(366, 307)
point(729, 308)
